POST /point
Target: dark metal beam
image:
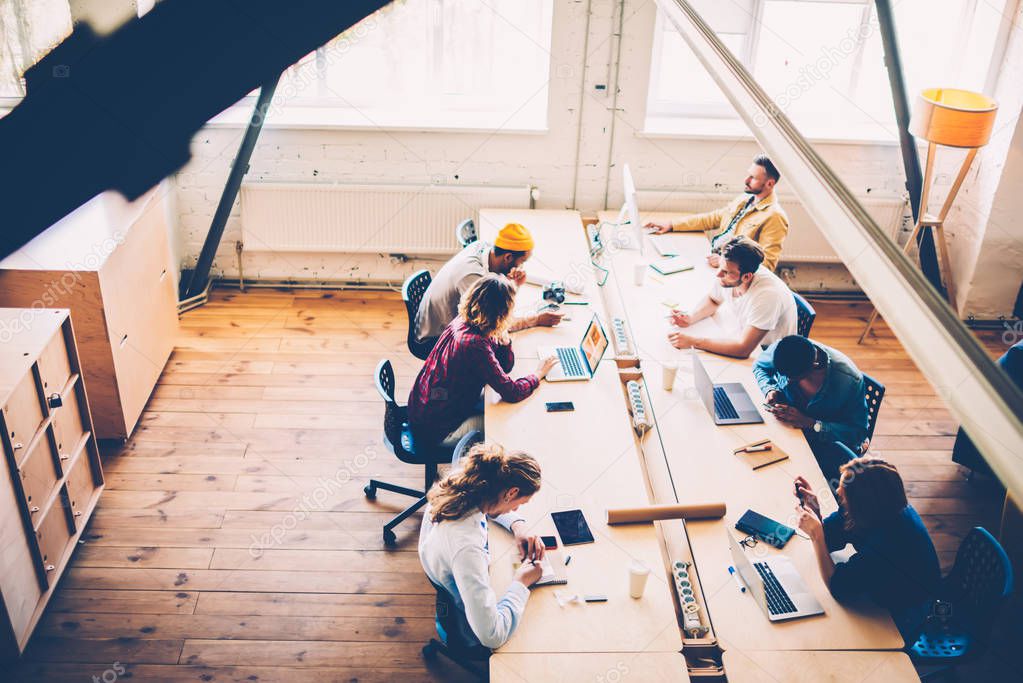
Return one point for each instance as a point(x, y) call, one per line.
point(910, 158)
point(199, 276)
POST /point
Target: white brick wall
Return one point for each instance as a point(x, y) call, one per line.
point(546, 160)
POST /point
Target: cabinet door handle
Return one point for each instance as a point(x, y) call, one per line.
point(55, 400)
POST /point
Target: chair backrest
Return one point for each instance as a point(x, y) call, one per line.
point(980, 580)
point(453, 627)
point(875, 393)
point(396, 433)
point(464, 444)
point(412, 294)
point(805, 315)
point(465, 232)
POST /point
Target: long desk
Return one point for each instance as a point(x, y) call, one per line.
point(589, 462)
point(593, 460)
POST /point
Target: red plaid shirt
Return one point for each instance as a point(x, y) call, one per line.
point(447, 390)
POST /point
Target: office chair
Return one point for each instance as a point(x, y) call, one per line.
point(875, 394)
point(457, 641)
point(969, 600)
point(465, 232)
point(398, 439)
point(412, 294)
point(805, 315)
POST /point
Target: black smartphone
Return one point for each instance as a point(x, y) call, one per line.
point(549, 542)
point(572, 527)
point(560, 406)
point(765, 529)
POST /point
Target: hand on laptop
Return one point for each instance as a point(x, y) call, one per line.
point(681, 340)
point(658, 228)
point(545, 366)
point(548, 318)
point(807, 497)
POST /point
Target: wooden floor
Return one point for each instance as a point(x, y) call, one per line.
point(233, 541)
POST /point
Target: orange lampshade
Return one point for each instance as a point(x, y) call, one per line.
point(954, 118)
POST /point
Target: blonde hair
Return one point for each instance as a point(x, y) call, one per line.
point(488, 304)
point(488, 471)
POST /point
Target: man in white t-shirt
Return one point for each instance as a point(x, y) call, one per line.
point(762, 303)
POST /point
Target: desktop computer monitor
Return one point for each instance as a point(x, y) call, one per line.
point(628, 229)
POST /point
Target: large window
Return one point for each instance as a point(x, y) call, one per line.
point(822, 61)
point(28, 30)
point(458, 63)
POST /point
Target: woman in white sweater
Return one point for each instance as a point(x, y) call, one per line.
point(453, 543)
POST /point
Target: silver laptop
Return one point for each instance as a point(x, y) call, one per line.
point(775, 584)
point(728, 404)
point(578, 362)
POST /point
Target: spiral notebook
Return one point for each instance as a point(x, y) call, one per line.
point(553, 569)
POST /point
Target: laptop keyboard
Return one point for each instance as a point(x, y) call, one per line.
point(723, 407)
point(778, 601)
point(570, 362)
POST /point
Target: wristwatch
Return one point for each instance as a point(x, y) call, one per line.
point(818, 426)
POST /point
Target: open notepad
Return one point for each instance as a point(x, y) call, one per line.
point(553, 569)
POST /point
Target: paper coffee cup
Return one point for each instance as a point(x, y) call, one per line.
point(638, 574)
point(639, 274)
point(668, 372)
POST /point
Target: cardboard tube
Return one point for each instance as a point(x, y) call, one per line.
point(652, 512)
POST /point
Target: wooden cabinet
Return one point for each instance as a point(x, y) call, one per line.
point(51, 477)
point(109, 262)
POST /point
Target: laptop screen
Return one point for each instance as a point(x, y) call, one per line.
point(704, 385)
point(594, 344)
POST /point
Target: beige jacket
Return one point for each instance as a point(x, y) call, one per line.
point(765, 223)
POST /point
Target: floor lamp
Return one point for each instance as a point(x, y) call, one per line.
point(951, 118)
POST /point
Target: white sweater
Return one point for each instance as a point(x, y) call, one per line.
point(455, 554)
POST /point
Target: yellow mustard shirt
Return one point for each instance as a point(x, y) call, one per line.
point(764, 223)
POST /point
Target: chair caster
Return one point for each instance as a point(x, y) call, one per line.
point(429, 652)
point(370, 491)
point(390, 539)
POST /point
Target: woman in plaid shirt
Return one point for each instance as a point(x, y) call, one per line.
point(474, 351)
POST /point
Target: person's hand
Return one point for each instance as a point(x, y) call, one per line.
point(658, 228)
point(681, 319)
point(713, 259)
point(549, 318)
point(793, 417)
point(774, 397)
point(528, 573)
point(809, 498)
point(545, 366)
point(531, 548)
point(810, 524)
point(517, 275)
point(681, 340)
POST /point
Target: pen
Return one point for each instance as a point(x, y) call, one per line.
point(568, 559)
point(757, 449)
point(742, 588)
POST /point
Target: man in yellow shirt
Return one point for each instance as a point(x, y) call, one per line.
point(755, 214)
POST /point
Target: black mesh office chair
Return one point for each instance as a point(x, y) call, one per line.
point(398, 438)
point(805, 315)
point(465, 233)
point(457, 641)
point(412, 294)
point(875, 394)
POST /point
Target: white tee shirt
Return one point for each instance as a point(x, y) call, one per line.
point(767, 305)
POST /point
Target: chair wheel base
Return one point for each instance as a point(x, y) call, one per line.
point(370, 491)
point(390, 539)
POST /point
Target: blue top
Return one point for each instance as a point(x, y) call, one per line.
point(841, 403)
point(894, 565)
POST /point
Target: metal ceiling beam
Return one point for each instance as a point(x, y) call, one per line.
point(976, 390)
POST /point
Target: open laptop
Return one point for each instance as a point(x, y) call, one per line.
point(728, 404)
point(775, 584)
point(578, 362)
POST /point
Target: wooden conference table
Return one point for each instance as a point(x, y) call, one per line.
point(593, 460)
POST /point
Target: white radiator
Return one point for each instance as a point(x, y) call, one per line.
point(805, 243)
point(402, 219)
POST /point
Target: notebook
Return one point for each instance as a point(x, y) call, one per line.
point(759, 459)
point(553, 569)
point(669, 266)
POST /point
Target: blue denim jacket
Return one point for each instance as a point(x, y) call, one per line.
point(841, 403)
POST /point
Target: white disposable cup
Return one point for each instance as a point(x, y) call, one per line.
point(639, 274)
point(638, 574)
point(668, 372)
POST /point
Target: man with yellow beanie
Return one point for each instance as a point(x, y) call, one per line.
point(511, 249)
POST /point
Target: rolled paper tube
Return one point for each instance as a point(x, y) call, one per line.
point(652, 512)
